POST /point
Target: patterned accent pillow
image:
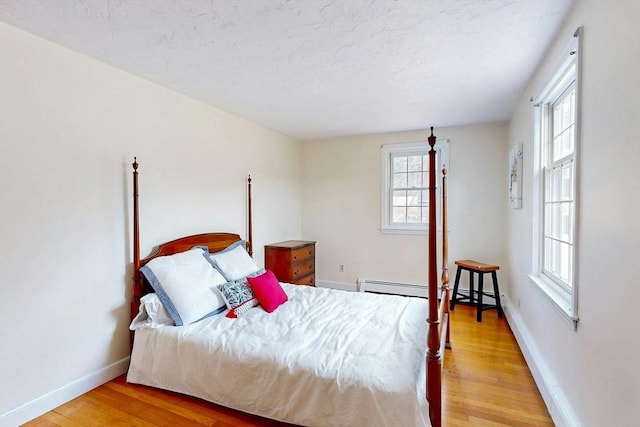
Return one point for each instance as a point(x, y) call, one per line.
point(242, 308)
point(238, 297)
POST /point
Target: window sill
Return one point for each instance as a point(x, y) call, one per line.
point(559, 299)
point(415, 231)
point(420, 232)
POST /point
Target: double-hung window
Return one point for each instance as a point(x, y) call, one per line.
point(555, 192)
point(559, 159)
point(405, 185)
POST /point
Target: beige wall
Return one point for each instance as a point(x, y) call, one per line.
point(69, 128)
point(341, 205)
point(591, 374)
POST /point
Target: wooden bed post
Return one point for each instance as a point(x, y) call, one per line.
point(445, 258)
point(250, 231)
point(434, 356)
point(137, 285)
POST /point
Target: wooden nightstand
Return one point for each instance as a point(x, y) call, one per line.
point(293, 261)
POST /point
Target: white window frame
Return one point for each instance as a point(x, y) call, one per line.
point(422, 148)
point(566, 76)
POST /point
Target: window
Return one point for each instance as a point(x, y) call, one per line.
point(405, 184)
point(555, 199)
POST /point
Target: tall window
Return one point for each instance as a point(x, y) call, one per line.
point(559, 178)
point(405, 184)
point(555, 198)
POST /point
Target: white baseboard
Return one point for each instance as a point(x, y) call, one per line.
point(559, 408)
point(55, 398)
point(337, 285)
point(393, 288)
point(409, 290)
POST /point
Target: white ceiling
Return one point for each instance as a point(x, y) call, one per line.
point(316, 68)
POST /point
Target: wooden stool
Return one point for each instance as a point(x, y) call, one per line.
point(480, 268)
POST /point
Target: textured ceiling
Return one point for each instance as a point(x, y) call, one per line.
point(314, 68)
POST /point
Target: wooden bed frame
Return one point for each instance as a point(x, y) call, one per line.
point(438, 320)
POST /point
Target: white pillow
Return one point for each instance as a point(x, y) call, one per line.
point(186, 284)
point(151, 313)
point(234, 263)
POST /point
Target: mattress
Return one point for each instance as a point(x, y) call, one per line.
point(324, 358)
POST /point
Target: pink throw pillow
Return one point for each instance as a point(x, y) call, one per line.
point(268, 291)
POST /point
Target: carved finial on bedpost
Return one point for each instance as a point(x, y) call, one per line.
point(432, 139)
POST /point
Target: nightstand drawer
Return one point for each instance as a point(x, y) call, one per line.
point(300, 254)
point(309, 280)
point(303, 268)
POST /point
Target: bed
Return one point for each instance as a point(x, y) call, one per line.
point(320, 357)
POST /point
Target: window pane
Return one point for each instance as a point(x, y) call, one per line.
point(566, 193)
point(553, 221)
point(399, 198)
point(413, 198)
point(414, 215)
point(555, 181)
point(548, 185)
point(399, 180)
point(400, 163)
point(558, 260)
point(559, 182)
point(563, 138)
point(564, 262)
point(548, 255)
point(414, 163)
point(568, 109)
point(566, 225)
point(399, 214)
point(567, 141)
point(550, 249)
point(414, 180)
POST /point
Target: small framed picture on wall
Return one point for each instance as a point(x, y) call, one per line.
point(515, 177)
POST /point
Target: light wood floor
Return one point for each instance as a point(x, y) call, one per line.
point(486, 382)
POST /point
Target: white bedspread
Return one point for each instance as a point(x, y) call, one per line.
point(324, 358)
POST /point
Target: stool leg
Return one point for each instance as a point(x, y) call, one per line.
point(452, 304)
point(496, 293)
point(480, 291)
point(471, 292)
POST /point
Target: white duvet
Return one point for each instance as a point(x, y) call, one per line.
point(324, 358)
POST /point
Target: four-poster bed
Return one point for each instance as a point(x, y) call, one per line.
point(321, 359)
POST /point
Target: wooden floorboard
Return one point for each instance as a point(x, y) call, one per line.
point(486, 382)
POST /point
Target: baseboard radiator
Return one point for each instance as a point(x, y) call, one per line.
point(396, 288)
